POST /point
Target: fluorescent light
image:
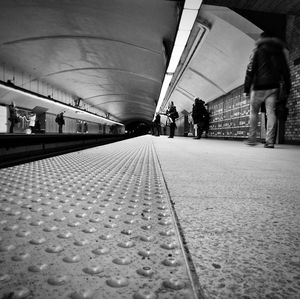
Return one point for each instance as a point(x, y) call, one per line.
point(65, 106)
point(176, 54)
point(182, 37)
point(192, 4)
point(187, 20)
point(163, 90)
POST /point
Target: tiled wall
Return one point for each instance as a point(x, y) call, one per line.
point(292, 126)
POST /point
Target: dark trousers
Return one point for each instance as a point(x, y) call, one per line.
point(172, 129)
point(200, 127)
point(60, 128)
point(158, 130)
point(11, 128)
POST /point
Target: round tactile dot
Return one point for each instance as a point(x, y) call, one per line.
point(169, 246)
point(65, 235)
point(54, 249)
point(101, 250)
point(117, 282)
point(19, 293)
point(147, 238)
point(106, 237)
point(92, 270)
point(4, 248)
point(174, 283)
point(145, 271)
point(89, 230)
point(37, 241)
point(25, 217)
point(146, 227)
point(127, 231)
point(165, 222)
point(127, 244)
point(145, 253)
point(83, 294)
point(37, 268)
point(167, 233)
point(124, 260)
point(23, 233)
point(21, 257)
point(171, 262)
point(71, 259)
point(49, 229)
point(58, 280)
point(95, 220)
point(4, 277)
point(74, 224)
point(132, 213)
point(81, 242)
point(37, 223)
point(144, 294)
point(130, 221)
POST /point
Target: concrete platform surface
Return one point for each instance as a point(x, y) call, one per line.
point(91, 224)
point(239, 210)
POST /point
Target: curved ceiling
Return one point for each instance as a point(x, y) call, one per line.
point(216, 60)
point(110, 53)
point(113, 54)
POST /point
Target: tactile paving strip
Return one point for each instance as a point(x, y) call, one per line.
point(91, 224)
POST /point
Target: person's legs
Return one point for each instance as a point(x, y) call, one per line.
point(172, 130)
point(11, 128)
point(256, 98)
point(272, 120)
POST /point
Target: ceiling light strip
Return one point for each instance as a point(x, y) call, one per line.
point(187, 20)
point(53, 101)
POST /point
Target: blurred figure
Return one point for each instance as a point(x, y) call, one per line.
point(60, 121)
point(200, 116)
point(267, 68)
point(157, 125)
point(172, 114)
point(13, 116)
point(31, 119)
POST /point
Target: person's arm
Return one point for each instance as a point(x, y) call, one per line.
point(250, 74)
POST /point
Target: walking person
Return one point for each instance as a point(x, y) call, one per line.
point(172, 114)
point(60, 121)
point(200, 117)
point(157, 125)
point(267, 69)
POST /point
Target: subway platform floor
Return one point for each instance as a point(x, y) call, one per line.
point(153, 217)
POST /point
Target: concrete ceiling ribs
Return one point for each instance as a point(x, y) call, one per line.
point(114, 55)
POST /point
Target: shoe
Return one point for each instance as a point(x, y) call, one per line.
point(170, 137)
point(251, 142)
point(269, 145)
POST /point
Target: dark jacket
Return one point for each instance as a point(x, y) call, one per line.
point(267, 67)
point(199, 112)
point(172, 113)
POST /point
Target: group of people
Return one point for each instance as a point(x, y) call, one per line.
point(172, 115)
point(267, 83)
point(27, 120)
point(200, 117)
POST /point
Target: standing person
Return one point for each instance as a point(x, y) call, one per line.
point(13, 116)
point(200, 116)
point(32, 119)
point(267, 68)
point(172, 114)
point(60, 121)
point(157, 124)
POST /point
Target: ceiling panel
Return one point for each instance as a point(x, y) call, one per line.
point(91, 48)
